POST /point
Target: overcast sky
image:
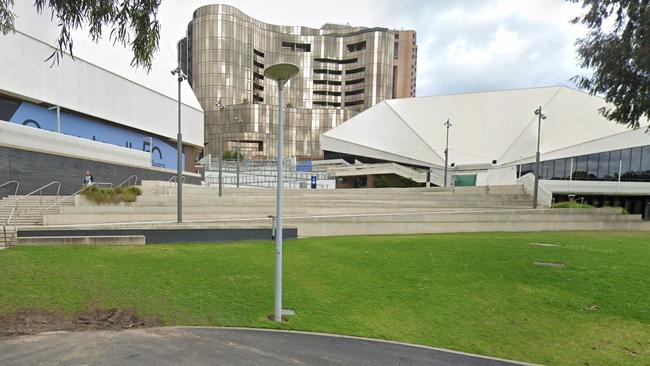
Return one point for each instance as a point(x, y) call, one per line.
point(463, 45)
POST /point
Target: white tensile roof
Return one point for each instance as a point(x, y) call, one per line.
point(486, 126)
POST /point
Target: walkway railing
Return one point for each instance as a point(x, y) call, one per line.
point(17, 183)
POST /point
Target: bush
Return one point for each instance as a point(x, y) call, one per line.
point(381, 181)
point(111, 195)
point(571, 204)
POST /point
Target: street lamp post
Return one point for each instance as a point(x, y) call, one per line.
point(447, 124)
point(239, 123)
point(179, 148)
point(281, 73)
point(220, 107)
point(540, 117)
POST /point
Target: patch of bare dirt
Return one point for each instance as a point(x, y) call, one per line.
point(33, 321)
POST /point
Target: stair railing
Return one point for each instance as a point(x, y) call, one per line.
point(4, 226)
point(128, 180)
point(39, 190)
point(17, 183)
point(58, 202)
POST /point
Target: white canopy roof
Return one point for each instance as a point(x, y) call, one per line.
point(486, 126)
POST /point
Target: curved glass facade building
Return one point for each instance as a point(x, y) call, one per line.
point(343, 70)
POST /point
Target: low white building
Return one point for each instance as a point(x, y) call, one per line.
point(493, 140)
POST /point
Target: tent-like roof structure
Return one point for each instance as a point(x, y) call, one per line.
point(486, 126)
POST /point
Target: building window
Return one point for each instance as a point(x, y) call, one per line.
point(560, 169)
point(354, 92)
point(335, 61)
point(635, 166)
point(645, 164)
point(355, 47)
point(328, 72)
point(603, 166)
point(592, 167)
point(547, 169)
point(353, 103)
point(396, 50)
point(355, 71)
point(614, 164)
point(296, 47)
point(354, 81)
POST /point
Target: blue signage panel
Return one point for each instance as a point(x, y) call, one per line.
point(163, 154)
point(303, 166)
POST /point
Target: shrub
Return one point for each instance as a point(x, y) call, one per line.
point(111, 195)
point(571, 204)
point(381, 181)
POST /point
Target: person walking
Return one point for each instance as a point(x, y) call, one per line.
point(89, 180)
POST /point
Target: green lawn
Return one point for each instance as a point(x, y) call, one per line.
point(478, 293)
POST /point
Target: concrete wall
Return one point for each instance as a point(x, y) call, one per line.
point(35, 169)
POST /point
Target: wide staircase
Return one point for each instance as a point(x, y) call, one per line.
point(20, 211)
point(334, 212)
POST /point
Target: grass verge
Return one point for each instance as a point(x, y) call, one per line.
point(478, 293)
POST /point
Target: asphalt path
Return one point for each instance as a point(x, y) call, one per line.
point(199, 346)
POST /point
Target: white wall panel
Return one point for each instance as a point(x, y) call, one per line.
point(83, 87)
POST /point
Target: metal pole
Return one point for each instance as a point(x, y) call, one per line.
point(278, 214)
point(570, 174)
point(537, 169)
point(58, 119)
point(220, 164)
point(447, 124)
point(620, 168)
point(179, 154)
point(238, 147)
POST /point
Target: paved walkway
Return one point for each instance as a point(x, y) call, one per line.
point(220, 346)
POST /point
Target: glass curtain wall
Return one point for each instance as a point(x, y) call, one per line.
point(633, 165)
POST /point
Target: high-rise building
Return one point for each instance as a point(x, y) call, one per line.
point(343, 70)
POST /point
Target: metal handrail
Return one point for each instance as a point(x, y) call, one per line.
point(58, 202)
point(58, 189)
point(11, 214)
point(4, 226)
point(175, 178)
point(107, 184)
point(17, 183)
point(129, 181)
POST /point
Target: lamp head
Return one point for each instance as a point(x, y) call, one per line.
point(281, 71)
point(220, 105)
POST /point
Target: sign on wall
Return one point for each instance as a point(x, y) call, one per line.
point(163, 154)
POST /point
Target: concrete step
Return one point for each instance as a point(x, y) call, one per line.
point(337, 215)
point(82, 240)
point(340, 229)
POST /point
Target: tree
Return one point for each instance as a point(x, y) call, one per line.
point(617, 49)
point(131, 22)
